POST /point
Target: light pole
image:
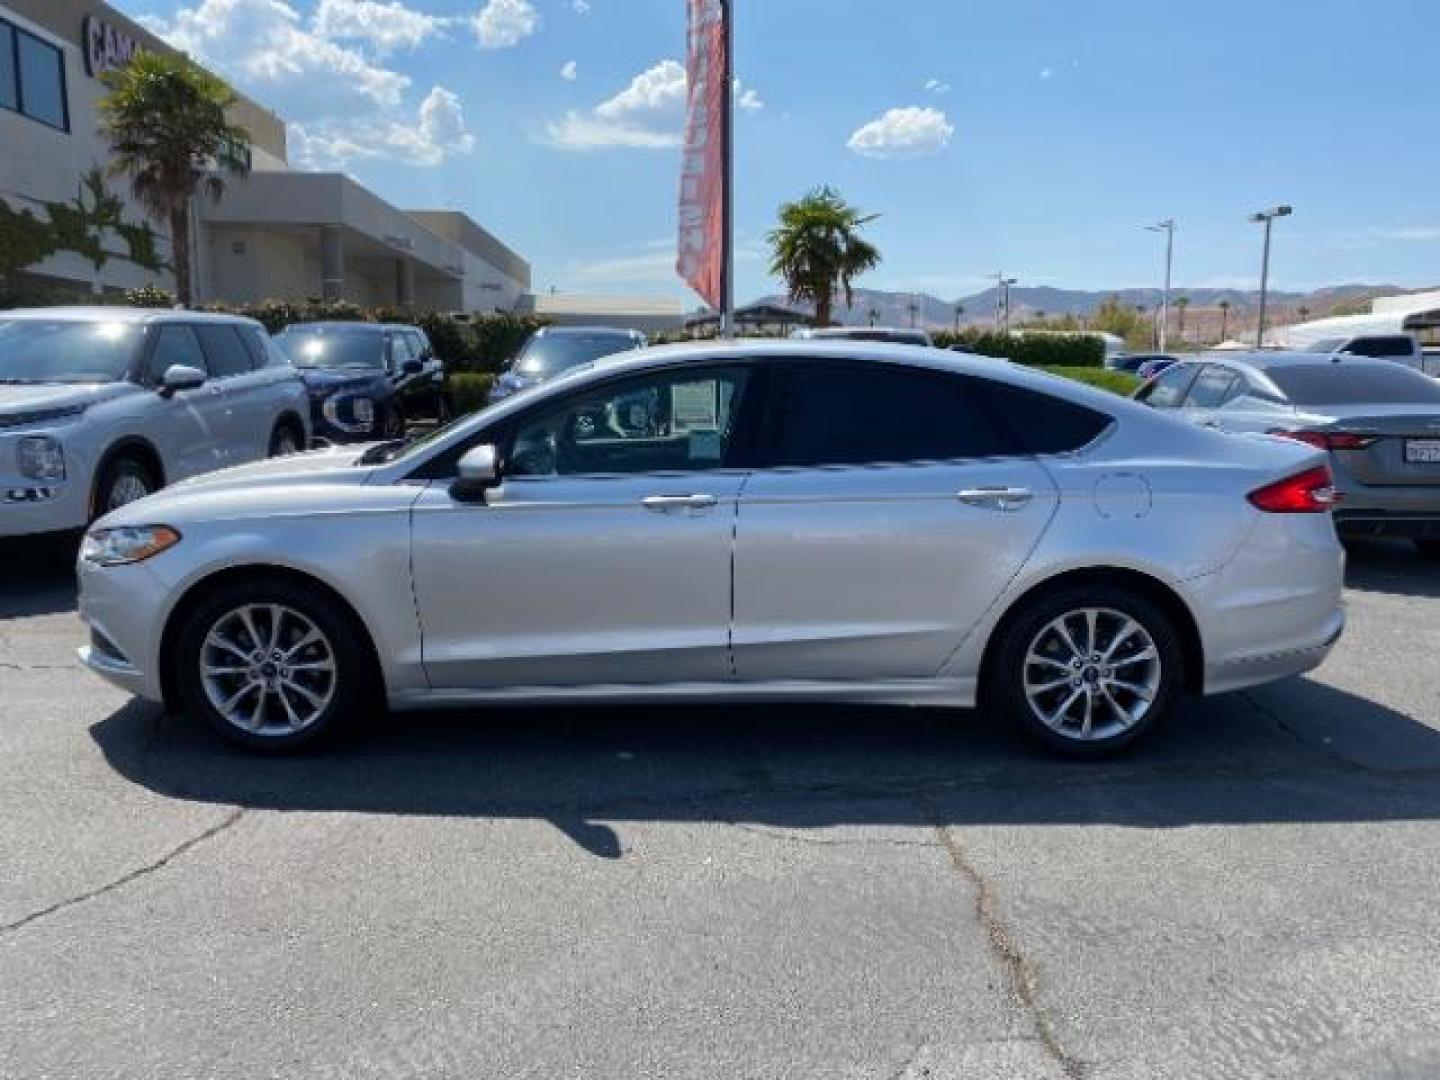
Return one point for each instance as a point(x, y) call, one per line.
point(1267, 217)
point(1168, 228)
point(1002, 300)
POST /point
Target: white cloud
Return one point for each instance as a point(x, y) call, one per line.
point(385, 25)
point(937, 86)
point(437, 134)
point(902, 133)
point(502, 24)
point(1377, 236)
point(648, 114)
point(581, 7)
point(1045, 73)
point(265, 48)
point(569, 71)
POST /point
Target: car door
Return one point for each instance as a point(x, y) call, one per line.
point(885, 515)
point(188, 427)
point(233, 378)
point(604, 555)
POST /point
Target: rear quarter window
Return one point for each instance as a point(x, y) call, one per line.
point(1042, 424)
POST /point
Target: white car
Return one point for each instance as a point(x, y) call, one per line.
point(762, 521)
point(102, 406)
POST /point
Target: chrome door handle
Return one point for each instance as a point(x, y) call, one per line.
point(669, 504)
point(996, 498)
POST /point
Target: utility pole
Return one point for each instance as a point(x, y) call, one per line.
point(1168, 228)
point(1267, 218)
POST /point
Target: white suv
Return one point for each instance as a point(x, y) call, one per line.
point(102, 406)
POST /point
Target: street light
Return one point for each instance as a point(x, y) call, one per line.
point(1002, 299)
point(1168, 228)
point(1267, 217)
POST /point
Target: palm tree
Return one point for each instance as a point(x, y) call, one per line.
point(1224, 307)
point(817, 247)
point(167, 125)
point(959, 311)
point(874, 315)
point(914, 310)
point(1181, 303)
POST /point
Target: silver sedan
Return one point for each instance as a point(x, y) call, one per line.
point(768, 521)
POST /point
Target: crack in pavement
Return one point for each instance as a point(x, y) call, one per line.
point(125, 879)
point(789, 836)
point(1024, 981)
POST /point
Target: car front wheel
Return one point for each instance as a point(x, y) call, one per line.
point(122, 481)
point(1088, 671)
point(272, 664)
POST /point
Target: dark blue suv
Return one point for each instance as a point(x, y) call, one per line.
point(366, 381)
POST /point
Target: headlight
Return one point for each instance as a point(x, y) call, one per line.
point(117, 547)
point(40, 457)
point(350, 413)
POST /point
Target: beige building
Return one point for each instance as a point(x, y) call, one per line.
point(280, 234)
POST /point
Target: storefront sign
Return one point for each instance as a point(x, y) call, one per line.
point(106, 47)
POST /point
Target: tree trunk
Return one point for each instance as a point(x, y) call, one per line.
point(180, 251)
point(822, 309)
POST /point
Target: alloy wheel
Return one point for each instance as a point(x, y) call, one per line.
point(1092, 673)
point(268, 670)
point(126, 488)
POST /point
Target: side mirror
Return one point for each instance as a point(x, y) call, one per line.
point(180, 377)
point(479, 472)
point(411, 367)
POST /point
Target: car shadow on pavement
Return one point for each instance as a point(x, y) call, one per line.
point(37, 576)
point(1390, 566)
point(1234, 759)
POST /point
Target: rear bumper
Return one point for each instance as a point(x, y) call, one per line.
point(1375, 522)
point(1239, 672)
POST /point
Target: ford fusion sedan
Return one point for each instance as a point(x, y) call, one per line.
point(553, 350)
point(1378, 420)
point(366, 380)
point(102, 406)
point(763, 521)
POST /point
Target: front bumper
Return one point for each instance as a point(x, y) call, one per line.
point(124, 610)
point(29, 507)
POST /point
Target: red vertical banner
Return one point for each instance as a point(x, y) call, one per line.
point(704, 171)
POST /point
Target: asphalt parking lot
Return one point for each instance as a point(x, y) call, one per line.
point(754, 892)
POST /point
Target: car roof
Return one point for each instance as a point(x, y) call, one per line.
point(342, 324)
point(1270, 360)
point(617, 331)
point(143, 316)
point(846, 331)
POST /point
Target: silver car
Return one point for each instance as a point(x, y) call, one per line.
point(102, 406)
point(1379, 421)
point(767, 521)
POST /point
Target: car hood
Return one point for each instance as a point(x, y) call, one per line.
point(22, 403)
point(330, 465)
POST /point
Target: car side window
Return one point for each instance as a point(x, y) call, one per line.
point(663, 422)
point(857, 413)
point(173, 345)
point(419, 345)
point(224, 351)
point(255, 340)
point(400, 351)
point(1213, 387)
point(1167, 390)
point(1042, 424)
point(1380, 347)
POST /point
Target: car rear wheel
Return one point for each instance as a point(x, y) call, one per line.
point(272, 664)
point(1088, 671)
point(284, 440)
point(122, 481)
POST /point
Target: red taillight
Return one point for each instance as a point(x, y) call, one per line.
point(1330, 440)
point(1309, 492)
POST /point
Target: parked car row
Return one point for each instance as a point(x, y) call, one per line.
point(753, 521)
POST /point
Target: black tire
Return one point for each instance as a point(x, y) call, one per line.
point(1006, 685)
point(443, 414)
point(357, 684)
point(1428, 547)
point(286, 439)
point(394, 426)
point(125, 471)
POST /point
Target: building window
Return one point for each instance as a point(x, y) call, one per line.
point(32, 77)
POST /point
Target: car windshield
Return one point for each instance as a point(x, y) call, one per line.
point(1344, 384)
point(65, 350)
point(333, 348)
point(547, 356)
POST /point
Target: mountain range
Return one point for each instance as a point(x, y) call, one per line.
point(893, 308)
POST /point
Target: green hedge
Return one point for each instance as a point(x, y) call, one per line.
point(1032, 350)
point(468, 391)
point(1118, 382)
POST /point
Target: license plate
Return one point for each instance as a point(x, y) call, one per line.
point(1422, 451)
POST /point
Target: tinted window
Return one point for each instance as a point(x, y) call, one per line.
point(546, 356)
point(8, 96)
point(42, 81)
point(859, 414)
point(1041, 424)
point(419, 344)
point(1167, 390)
point(1342, 384)
point(665, 422)
point(334, 348)
point(1214, 386)
point(174, 345)
point(401, 350)
point(1381, 347)
point(64, 350)
point(224, 350)
point(255, 344)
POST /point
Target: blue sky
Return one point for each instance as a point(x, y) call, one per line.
point(1033, 137)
